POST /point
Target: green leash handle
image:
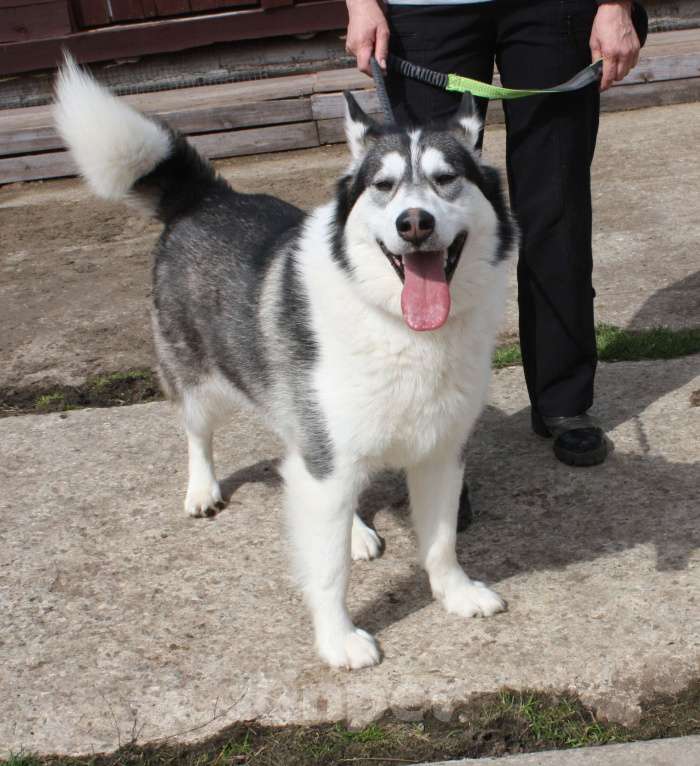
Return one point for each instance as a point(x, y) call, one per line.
point(458, 84)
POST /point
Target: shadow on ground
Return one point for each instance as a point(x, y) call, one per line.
point(542, 515)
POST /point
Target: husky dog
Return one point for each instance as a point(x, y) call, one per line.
point(362, 332)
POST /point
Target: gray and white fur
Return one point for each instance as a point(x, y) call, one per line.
point(314, 320)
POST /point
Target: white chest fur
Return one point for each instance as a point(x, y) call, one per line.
point(390, 395)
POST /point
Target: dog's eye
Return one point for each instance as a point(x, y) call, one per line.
point(445, 178)
point(384, 186)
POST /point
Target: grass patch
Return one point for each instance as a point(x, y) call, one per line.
point(50, 402)
point(560, 723)
point(507, 355)
point(618, 345)
point(492, 725)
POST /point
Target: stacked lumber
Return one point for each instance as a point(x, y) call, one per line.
point(302, 111)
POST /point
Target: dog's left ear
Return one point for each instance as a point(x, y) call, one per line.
point(466, 123)
point(360, 129)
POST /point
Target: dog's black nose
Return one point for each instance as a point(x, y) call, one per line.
point(415, 225)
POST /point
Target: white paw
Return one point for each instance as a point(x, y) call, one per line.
point(471, 598)
point(203, 499)
point(356, 649)
point(365, 544)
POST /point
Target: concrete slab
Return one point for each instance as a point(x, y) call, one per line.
point(74, 272)
point(679, 751)
point(123, 617)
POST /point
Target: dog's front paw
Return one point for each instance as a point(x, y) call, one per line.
point(203, 499)
point(353, 650)
point(365, 544)
point(471, 598)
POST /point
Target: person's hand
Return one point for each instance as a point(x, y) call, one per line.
point(368, 33)
point(614, 39)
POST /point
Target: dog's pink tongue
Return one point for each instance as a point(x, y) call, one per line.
point(425, 300)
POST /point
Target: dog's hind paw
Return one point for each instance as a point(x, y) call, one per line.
point(365, 544)
point(472, 598)
point(203, 500)
point(356, 649)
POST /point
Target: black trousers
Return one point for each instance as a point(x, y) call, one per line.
point(550, 144)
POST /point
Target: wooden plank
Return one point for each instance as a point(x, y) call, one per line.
point(651, 94)
point(35, 166)
point(334, 80)
point(494, 114)
point(678, 35)
point(25, 118)
point(228, 93)
point(173, 34)
point(205, 96)
point(126, 10)
point(171, 7)
point(17, 3)
point(188, 121)
point(43, 18)
point(210, 5)
point(661, 68)
point(276, 138)
point(150, 9)
point(331, 131)
point(29, 141)
point(90, 13)
point(330, 105)
point(236, 116)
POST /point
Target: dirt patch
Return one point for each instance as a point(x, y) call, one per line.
point(114, 389)
point(491, 725)
point(75, 280)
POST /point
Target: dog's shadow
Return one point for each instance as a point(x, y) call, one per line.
point(263, 472)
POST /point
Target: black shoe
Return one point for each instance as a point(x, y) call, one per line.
point(464, 515)
point(577, 440)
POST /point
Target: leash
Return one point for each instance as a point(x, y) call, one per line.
point(382, 95)
point(458, 84)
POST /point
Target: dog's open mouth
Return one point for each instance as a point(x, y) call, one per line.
point(426, 276)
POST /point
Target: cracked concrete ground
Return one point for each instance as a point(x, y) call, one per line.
point(74, 271)
point(123, 617)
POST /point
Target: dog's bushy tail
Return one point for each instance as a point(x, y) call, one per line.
point(123, 154)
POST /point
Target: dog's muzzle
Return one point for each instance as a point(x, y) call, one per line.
point(452, 256)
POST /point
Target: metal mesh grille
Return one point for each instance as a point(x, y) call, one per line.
point(215, 65)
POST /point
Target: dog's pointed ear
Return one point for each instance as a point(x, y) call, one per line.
point(466, 123)
point(360, 129)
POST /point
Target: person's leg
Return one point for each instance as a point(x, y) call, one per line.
point(446, 38)
point(550, 147)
